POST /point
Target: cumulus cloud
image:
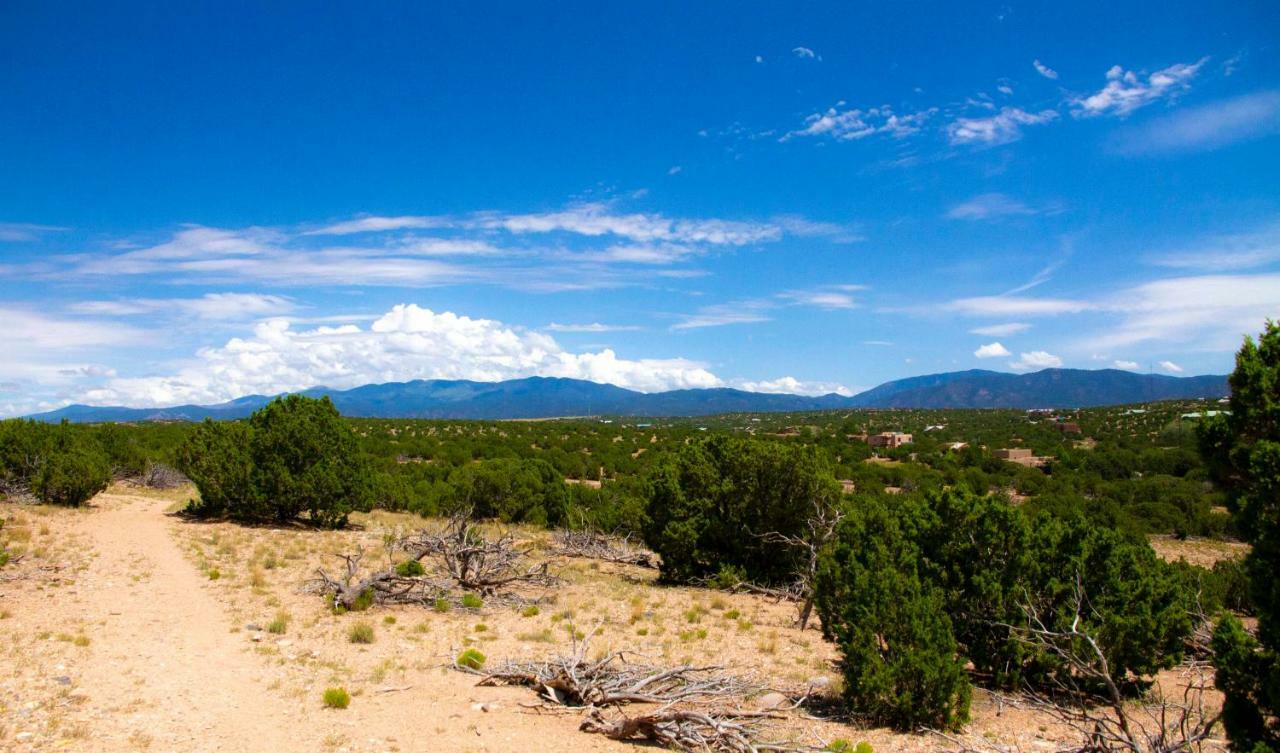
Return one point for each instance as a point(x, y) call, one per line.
point(1126, 91)
point(1002, 128)
point(992, 350)
point(1126, 365)
point(791, 386)
point(1205, 128)
point(1171, 367)
point(1001, 330)
point(988, 206)
point(1036, 359)
point(804, 53)
point(1044, 70)
point(407, 342)
point(854, 123)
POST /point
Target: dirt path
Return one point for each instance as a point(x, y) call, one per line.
point(165, 671)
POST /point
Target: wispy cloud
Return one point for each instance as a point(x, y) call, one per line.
point(373, 224)
point(805, 53)
point(1044, 70)
point(1002, 128)
point(722, 314)
point(1208, 127)
point(1126, 91)
point(1009, 305)
point(853, 124)
point(1226, 252)
point(592, 327)
point(1170, 367)
point(1001, 330)
point(212, 306)
point(19, 232)
point(1126, 365)
point(988, 206)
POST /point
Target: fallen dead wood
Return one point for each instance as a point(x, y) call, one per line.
point(590, 544)
point(610, 680)
point(459, 557)
point(689, 730)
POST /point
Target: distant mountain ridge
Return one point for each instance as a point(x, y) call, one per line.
point(545, 397)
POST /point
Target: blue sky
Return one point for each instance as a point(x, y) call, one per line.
point(206, 201)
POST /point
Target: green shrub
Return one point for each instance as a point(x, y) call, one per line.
point(410, 569)
point(336, 698)
point(361, 632)
point(530, 611)
point(442, 605)
point(293, 455)
point(363, 601)
point(72, 474)
point(472, 600)
point(706, 501)
point(900, 658)
point(471, 659)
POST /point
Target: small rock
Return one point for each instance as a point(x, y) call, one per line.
point(23, 737)
point(770, 701)
point(819, 682)
point(253, 626)
point(64, 680)
point(256, 637)
point(284, 643)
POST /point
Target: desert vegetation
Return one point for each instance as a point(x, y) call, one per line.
point(770, 583)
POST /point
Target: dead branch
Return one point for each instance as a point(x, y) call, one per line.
point(474, 562)
point(688, 730)
point(822, 523)
point(382, 587)
point(591, 544)
point(575, 680)
point(1086, 697)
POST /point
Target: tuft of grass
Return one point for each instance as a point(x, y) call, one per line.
point(530, 611)
point(336, 698)
point(361, 632)
point(471, 659)
point(481, 627)
point(732, 614)
point(280, 624)
point(410, 569)
point(214, 573)
point(472, 600)
point(442, 605)
point(389, 619)
point(82, 641)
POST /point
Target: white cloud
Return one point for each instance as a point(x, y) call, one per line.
point(378, 225)
point(791, 386)
point(1044, 70)
point(408, 342)
point(992, 350)
point(209, 306)
point(674, 170)
point(825, 299)
point(1212, 311)
point(1126, 365)
point(24, 332)
point(18, 232)
point(804, 53)
point(1001, 330)
point(592, 327)
point(854, 124)
point(1171, 367)
point(1227, 252)
point(719, 315)
point(596, 219)
point(1126, 91)
point(987, 206)
point(1208, 127)
point(1036, 359)
point(1001, 128)
point(1008, 305)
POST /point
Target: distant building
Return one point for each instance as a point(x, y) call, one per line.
point(957, 446)
point(1022, 456)
point(889, 439)
point(1068, 427)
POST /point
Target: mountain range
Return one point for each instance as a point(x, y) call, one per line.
point(542, 397)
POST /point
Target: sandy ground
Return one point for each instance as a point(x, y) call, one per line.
point(125, 628)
